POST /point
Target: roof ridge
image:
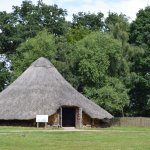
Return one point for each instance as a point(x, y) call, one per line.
point(42, 62)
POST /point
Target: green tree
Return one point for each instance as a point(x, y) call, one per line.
point(76, 33)
point(96, 59)
point(35, 17)
point(4, 74)
point(26, 21)
point(140, 28)
point(63, 62)
point(9, 40)
point(43, 45)
point(118, 25)
point(140, 35)
point(113, 96)
point(89, 20)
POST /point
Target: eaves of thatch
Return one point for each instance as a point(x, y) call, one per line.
point(41, 89)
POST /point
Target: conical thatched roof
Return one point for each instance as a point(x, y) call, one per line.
point(42, 90)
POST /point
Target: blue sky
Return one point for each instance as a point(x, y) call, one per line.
point(127, 7)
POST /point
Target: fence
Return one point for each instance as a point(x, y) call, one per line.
point(131, 121)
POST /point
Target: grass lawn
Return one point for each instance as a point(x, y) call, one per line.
point(115, 138)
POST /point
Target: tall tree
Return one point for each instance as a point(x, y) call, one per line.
point(140, 28)
point(35, 17)
point(140, 35)
point(76, 33)
point(89, 20)
point(96, 65)
point(118, 25)
point(9, 41)
point(27, 20)
point(4, 73)
point(43, 45)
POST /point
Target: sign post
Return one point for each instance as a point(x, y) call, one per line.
point(41, 119)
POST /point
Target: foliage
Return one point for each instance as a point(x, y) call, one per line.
point(118, 25)
point(97, 59)
point(97, 55)
point(43, 45)
point(139, 30)
point(4, 75)
point(76, 34)
point(113, 96)
point(27, 20)
point(9, 40)
point(89, 20)
point(139, 35)
point(63, 61)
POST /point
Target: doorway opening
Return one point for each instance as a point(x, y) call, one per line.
point(68, 116)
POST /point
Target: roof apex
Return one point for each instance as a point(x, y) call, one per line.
point(42, 62)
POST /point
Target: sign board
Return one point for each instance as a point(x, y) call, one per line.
point(41, 118)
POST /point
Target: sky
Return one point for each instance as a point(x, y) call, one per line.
point(127, 7)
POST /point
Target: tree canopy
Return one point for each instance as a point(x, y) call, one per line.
point(140, 36)
point(107, 59)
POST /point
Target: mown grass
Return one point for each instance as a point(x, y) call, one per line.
point(116, 138)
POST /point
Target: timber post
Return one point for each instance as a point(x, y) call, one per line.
point(45, 124)
point(60, 117)
point(79, 118)
point(93, 122)
point(37, 124)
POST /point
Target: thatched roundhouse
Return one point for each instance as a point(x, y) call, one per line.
point(41, 89)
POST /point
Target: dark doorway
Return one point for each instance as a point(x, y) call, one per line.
point(68, 117)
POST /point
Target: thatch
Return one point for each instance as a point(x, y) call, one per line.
point(42, 90)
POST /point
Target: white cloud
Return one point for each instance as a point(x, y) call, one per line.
point(128, 7)
point(6, 5)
